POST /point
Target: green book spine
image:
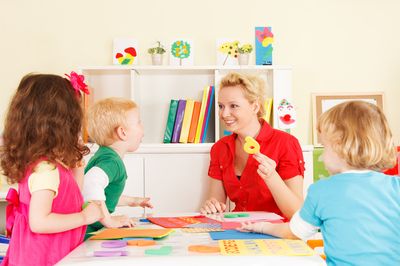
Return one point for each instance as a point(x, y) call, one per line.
point(173, 106)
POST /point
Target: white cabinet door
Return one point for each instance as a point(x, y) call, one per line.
point(176, 182)
point(134, 184)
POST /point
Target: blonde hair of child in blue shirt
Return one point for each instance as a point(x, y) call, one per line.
point(358, 207)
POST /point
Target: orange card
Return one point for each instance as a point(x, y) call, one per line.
point(116, 233)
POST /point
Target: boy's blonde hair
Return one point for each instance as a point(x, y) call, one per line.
point(105, 116)
point(359, 134)
point(253, 88)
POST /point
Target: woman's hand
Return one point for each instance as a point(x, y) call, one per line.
point(212, 206)
point(267, 167)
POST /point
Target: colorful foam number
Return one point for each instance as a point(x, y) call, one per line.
point(141, 242)
point(165, 250)
point(110, 253)
point(114, 244)
point(251, 146)
point(236, 215)
point(204, 249)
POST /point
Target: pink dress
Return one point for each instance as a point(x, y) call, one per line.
point(28, 248)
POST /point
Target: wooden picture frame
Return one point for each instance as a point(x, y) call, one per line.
point(322, 102)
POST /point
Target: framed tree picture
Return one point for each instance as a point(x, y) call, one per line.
point(324, 101)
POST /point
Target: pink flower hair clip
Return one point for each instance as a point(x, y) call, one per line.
point(77, 82)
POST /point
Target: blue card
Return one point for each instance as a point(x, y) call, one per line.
point(234, 234)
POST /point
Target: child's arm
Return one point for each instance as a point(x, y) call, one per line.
point(279, 230)
point(114, 221)
point(43, 221)
point(297, 228)
point(134, 202)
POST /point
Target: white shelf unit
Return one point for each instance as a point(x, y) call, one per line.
point(175, 175)
point(152, 88)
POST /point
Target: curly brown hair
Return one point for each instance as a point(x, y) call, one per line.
point(44, 119)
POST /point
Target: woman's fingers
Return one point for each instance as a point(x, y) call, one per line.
point(212, 206)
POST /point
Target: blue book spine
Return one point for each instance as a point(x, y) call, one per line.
point(208, 112)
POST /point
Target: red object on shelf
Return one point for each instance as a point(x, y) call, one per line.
point(395, 170)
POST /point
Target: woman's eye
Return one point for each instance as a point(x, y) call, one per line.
point(220, 106)
point(234, 106)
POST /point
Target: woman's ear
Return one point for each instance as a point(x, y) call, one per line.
point(120, 132)
point(256, 107)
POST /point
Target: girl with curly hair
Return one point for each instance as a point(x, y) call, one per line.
point(42, 152)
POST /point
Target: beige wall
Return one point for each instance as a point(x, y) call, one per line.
point(333, 45)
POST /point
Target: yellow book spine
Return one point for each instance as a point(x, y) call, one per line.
point(187, 118)
point(202, 113)
point(268, 110)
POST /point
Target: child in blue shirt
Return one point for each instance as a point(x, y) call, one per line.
point(358, 207)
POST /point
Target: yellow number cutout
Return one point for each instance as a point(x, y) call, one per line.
point(251, 146)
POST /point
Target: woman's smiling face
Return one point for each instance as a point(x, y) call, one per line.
point(234, 109)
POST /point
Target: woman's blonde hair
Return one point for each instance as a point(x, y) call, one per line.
point(253, 88)
point(105, 116)
point(360, 134)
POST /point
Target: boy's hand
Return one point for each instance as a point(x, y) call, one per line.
point(92, 213)
point(141, 202)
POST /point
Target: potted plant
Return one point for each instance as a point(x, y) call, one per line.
point(157, 53)
point(244, 52)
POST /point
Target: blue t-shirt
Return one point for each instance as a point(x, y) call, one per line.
point(359, 217)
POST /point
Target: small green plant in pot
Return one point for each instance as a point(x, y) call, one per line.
point(244, 51)
point(157, 53)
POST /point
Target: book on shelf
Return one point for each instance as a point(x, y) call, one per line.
point(268, 110)
point(207, 114)
point(178, 121)
point(194, 122)
point(201, 116)
point(169, 128)
point(187, 118)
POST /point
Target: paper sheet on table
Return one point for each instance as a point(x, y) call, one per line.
point(233, 234)
point(117, 233)
point(270, 247)
point(253, 216)
point(181, 222)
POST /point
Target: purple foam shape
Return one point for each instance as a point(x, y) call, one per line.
point(110, 253)
point(114, 244)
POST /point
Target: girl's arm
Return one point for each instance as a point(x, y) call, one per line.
point(43, 221)
point(288, 194)
point(114, 221)
point(217, 198)
point(134, 202)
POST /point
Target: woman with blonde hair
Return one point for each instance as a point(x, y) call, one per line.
point(271, 179)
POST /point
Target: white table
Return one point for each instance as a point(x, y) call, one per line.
point(179, 240)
